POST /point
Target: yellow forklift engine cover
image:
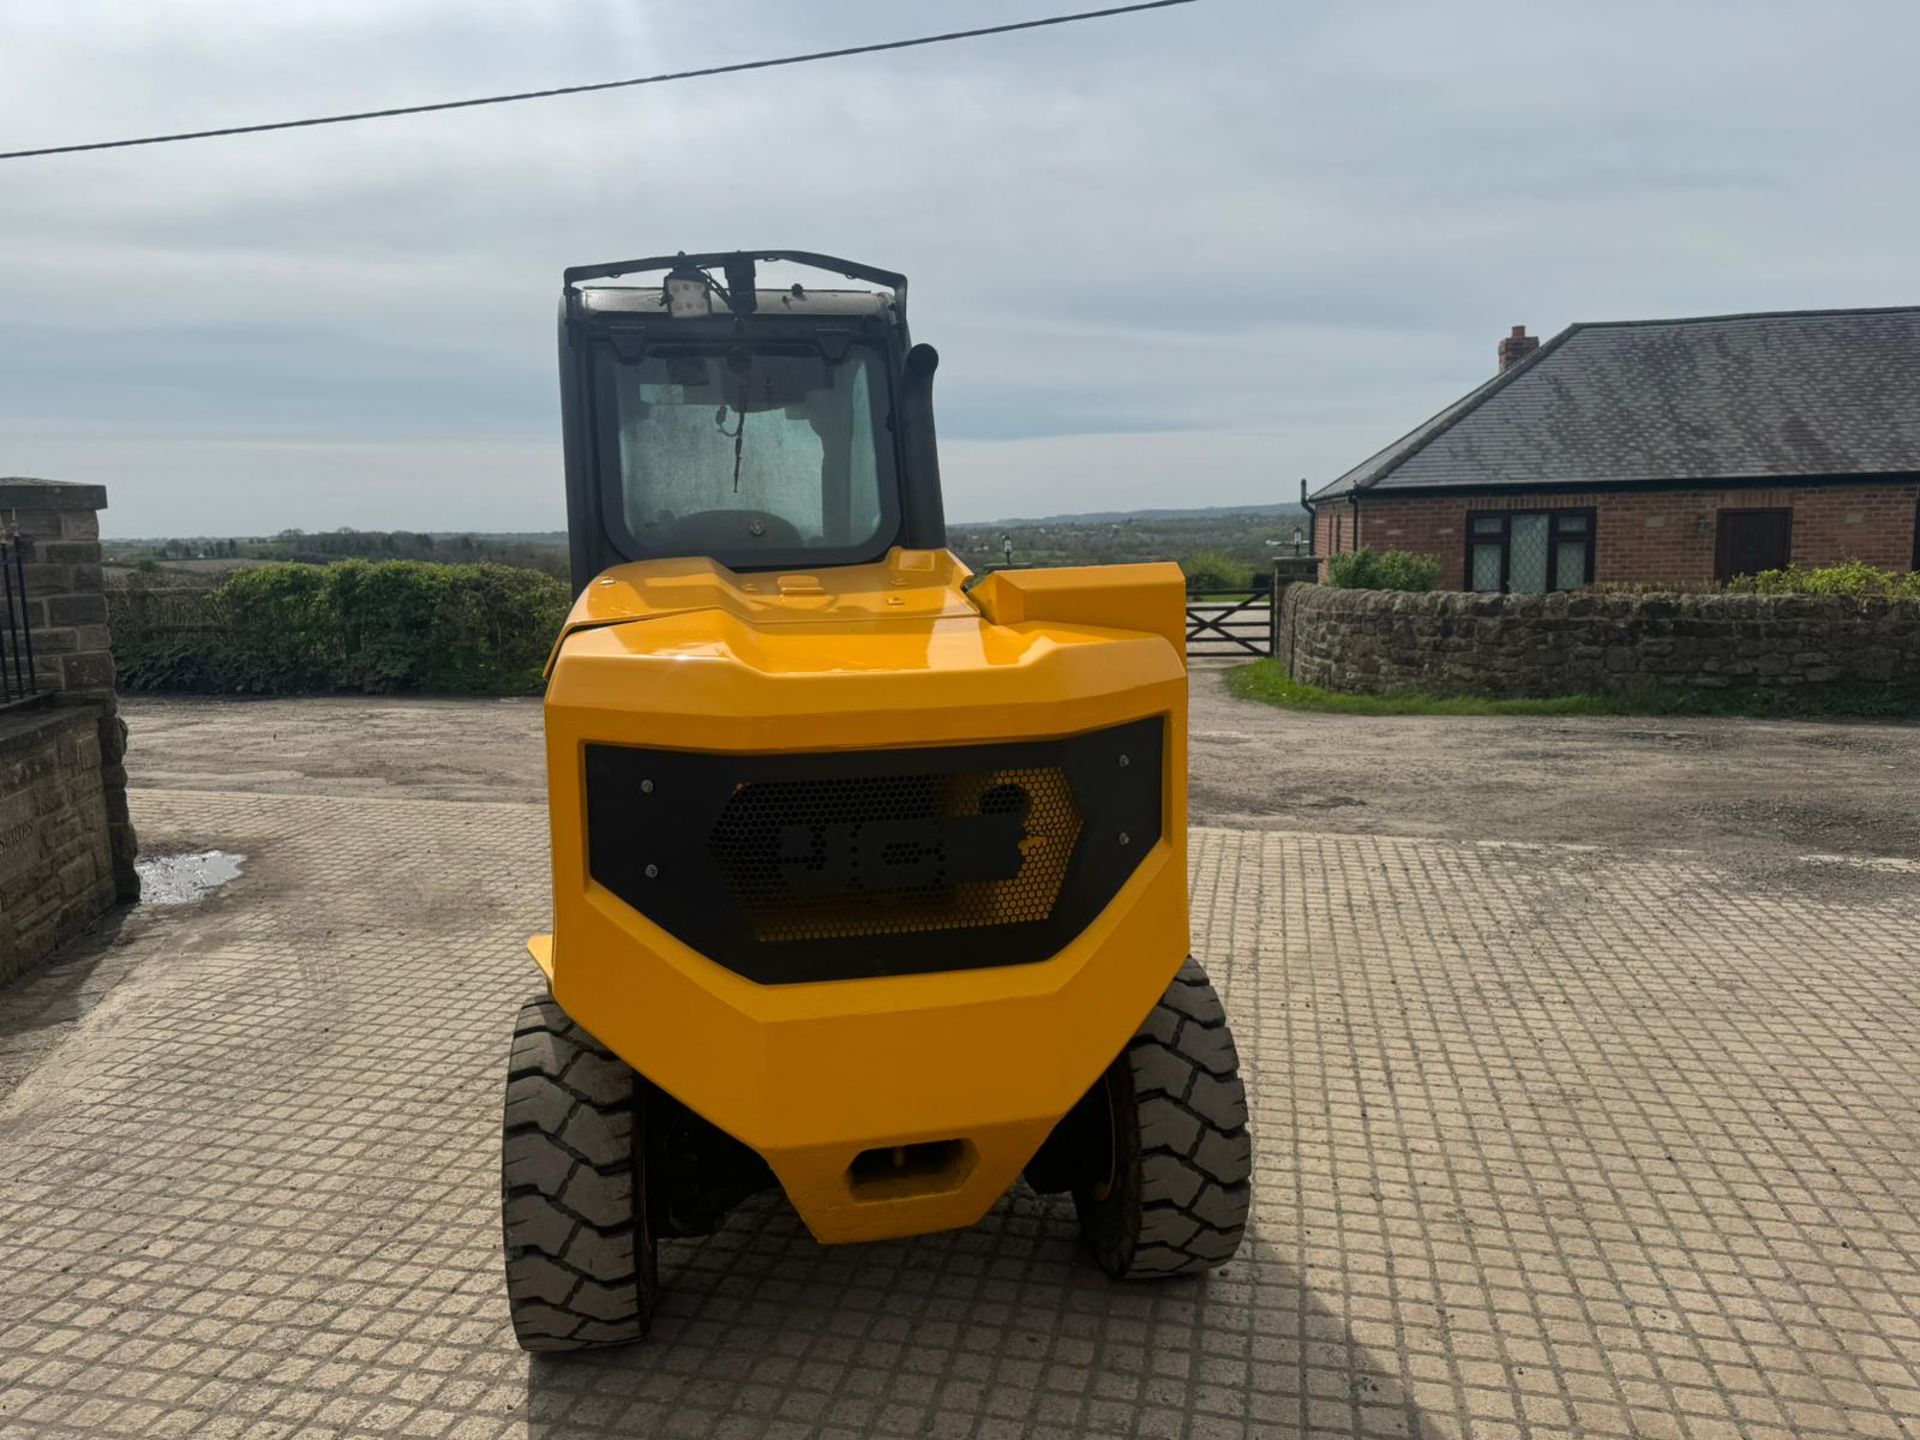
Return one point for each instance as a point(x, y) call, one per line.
point(972, 1065)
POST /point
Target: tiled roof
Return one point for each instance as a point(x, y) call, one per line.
point(1797, 393)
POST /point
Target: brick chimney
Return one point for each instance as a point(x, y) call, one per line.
point(1517, 346)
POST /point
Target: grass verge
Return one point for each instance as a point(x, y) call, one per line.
point(1264, 680)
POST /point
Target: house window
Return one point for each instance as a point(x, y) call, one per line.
point(1529, 552)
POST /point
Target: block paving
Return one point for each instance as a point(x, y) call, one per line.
point(1548, 1142)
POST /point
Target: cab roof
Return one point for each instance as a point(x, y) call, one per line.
point(795, 300)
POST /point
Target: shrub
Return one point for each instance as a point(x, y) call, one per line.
point(1366, 569)
point(374, 627)
point(277, 632)
point(1213, 570)
point(1853, 578)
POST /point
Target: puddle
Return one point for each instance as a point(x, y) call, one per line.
point(184, 879)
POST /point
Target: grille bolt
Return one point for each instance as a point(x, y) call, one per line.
point(646, 787)
point(1125, 839)
point(653, 872)
point(1124, 762)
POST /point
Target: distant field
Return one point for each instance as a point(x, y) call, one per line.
point(1249, 539)
point(172, 573)
point(204, 559)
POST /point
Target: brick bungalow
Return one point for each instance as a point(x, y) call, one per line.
point(1658, 450)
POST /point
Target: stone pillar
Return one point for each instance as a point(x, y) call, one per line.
point(1288, 570)
point(58, 527)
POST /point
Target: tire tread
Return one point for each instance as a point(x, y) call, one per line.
point(578, 1255)
point(1182, 1186)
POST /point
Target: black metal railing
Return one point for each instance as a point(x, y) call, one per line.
point(16, 626)
point(1230, 622)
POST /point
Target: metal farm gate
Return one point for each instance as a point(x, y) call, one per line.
point(1233, 624)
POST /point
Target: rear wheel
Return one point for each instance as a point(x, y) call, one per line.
point(1172, 1194)
point(581, 1270)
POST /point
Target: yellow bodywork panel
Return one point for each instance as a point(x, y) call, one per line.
point(965, 1071)
point(540, 950)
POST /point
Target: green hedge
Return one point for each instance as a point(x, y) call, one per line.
point(1854, 577)
point(381, 627)
point(1215, 570)
point(1366, 569)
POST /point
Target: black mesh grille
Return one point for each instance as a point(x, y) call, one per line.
point(893, 854)
point(825, 866)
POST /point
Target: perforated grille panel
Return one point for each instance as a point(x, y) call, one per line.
point(890, 855)
point(788, 868)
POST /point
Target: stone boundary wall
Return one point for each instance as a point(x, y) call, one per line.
point(1449, 642)
point(56, 846)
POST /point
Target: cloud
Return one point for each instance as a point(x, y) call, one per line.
point(1206, 251)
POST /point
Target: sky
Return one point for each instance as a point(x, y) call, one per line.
point(1184, 258)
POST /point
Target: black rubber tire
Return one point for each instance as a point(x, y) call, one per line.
point(1175, 1199)
point(581, 1268)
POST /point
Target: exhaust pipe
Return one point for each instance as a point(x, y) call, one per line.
point(925, 521)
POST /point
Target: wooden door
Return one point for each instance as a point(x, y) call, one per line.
point(1751, 541)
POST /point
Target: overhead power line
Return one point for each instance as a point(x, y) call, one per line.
point(770, 64)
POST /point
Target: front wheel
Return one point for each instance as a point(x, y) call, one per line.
point(581, 1270)
point(1173, 1195)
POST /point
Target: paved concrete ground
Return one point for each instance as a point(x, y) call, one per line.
point(1741, 787)
point(1744, 787)
point(1612, 1141)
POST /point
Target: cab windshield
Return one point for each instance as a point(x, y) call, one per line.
point(782, 456)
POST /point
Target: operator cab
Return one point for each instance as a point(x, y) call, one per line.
point(761, 429)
